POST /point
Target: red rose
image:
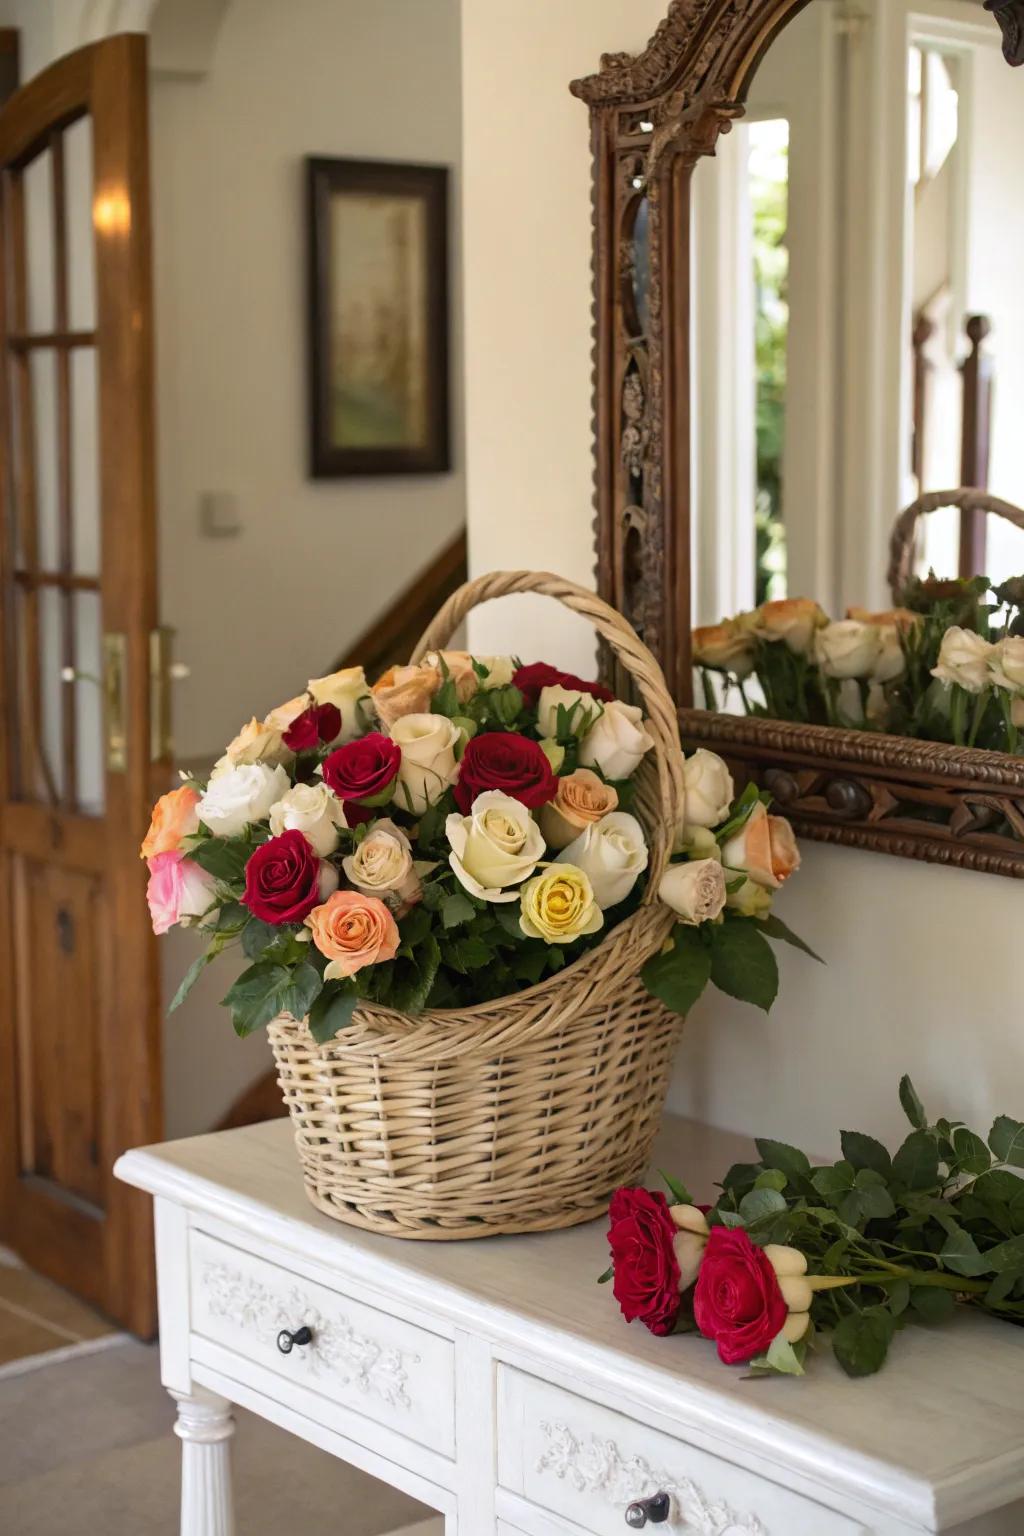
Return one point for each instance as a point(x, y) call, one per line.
point(737, 1300)
point(319, 723)
point(282, 880)
point(530, 680)
point(501, 760)
point(362, 771)
point(641, 1236)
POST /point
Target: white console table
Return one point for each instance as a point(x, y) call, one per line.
point(497, 1383)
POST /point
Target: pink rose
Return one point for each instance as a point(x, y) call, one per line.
point(178, 889)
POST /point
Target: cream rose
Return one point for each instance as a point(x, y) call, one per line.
point(559, 907)
point(383, 866)
point(286, 714)
point(847, 648)
point(727, 647)
point(404, 691)
point(612, 853)
point(617, 743)
point(315, 811)
point(260, 741)
point(500, 671)
point(695, 891)
point(690, 1242)
point(793, 620)
point(346, 690)
point(241, 795)
point(1006, 664)
point(498, 845)
point(890, 663)
point(582, 798)
point(428, 768)
point(964, 659)
point(582, 711)
point(710, 790)
point(765, 849)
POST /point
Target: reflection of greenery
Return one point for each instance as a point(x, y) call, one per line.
point(769, 196)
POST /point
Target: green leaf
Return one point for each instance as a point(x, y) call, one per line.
point(457, 909)
point(678, 978)
point(912, 1106)
point(898, 1297)
point(258, 936)
point(835, 1181)
point(861, 1340)
point(1002, 1286)
point(790, 1160)
point(679, 1192)
point(190, 978)
point(741, 1177)
point(972, 1155)
point(609, 1272)
point(960, 1254)
point(759, 1203)
point(931, 1304)
point(224, 858)
point(332, 1011)
point(232, 916)
point(772, 1178)
point(1006, 1139)
point(743, 964)
point(783, 1358)
point(865, 1152)
point(742, 811)
point(916, 1164)
point(775, 928)
point(266, 989)
point(1008, 1255)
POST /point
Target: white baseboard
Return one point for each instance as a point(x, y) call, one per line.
point(432, 1527)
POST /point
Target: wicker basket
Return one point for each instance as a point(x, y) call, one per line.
point(525, 1113)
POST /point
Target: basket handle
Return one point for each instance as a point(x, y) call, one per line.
point(662, 718)
point(966, 498)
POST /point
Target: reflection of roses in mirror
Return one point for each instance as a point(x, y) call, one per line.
point(642, 1238)
point(501, 760)
point(737, 1300)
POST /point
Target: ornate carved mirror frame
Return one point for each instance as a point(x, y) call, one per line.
point(652, 117)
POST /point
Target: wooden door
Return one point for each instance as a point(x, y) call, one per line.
point(79, 1005)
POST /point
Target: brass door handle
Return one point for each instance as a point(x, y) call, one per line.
point(115, 651)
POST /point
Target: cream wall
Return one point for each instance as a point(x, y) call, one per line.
point(922, 964)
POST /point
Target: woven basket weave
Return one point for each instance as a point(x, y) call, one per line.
point(524, 1113)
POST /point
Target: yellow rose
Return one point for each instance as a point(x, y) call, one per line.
point(348, 692)
point(559, 907)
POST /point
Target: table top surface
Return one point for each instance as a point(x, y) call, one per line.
point(938, 1432)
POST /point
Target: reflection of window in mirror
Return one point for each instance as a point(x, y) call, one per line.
point(846, 238)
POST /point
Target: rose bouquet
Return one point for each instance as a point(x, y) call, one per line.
point(791, 1254)
point(456, 833)
point(947, 666)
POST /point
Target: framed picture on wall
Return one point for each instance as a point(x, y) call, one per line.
point(378, 317)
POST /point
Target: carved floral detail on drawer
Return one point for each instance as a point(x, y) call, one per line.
point(598, 1466)
point(336, 1347)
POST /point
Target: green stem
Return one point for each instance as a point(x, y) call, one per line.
point(710, 700)
point(743, 696)
point(980, 706)
point(958, 711)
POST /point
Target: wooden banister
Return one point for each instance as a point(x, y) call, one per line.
point(975, 453)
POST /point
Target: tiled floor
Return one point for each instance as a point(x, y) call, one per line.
point(37, 1316)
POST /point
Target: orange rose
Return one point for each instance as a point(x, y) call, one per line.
point(893, 618)
point(404, 691)
point(174, 818)
point(581, 799)
point(727, 647)
point(764, 848)
point(460, 669)
point(353, 930)
point(792, 620)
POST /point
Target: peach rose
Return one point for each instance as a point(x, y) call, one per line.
point(174, 818)
point(765, 849)
point(793, 620)
point(460, 670)
point(582, 799)
point(727, 647)
point(353, 930)
point(404, 691)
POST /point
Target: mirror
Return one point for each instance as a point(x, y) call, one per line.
point(808, 321)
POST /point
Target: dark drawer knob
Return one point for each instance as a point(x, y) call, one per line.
point(654, 1511)
point(286, 1341)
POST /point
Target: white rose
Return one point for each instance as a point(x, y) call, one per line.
point(616, 743)
point(347, 690)
point(315, 811)
point(428, 768)
point(383, 865)
point(241, 795)
point(500, 671)
point(582, 710)
point(695, 890)
point(890, 663)
point(964, 659)
point(612, 853)
point(710, 790)
point(1006, 664)
point(847, 648)
point(498, 845)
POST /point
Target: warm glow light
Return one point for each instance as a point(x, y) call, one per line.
point(112, 212)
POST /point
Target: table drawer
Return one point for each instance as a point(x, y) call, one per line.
point(388, 1370)
point(586, 1464)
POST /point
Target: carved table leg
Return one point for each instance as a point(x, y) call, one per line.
point(205, 1426)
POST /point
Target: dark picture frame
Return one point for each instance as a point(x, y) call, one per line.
point(378, 318)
